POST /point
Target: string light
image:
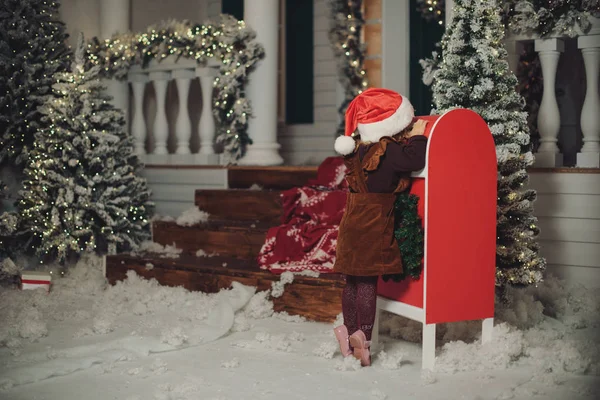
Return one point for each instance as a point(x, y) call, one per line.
point(28, 76)
point(345, 39)
point(81, 187)
point(432, 10)
point(542, 17)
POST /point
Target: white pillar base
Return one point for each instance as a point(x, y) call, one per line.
point(158, 159)
point(262, 154)
point(428, 346)
point(487, 327)
point(546, 159)
point(375, 334)
point(207, 159)
point(588, 160)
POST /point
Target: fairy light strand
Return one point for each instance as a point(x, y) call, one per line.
point(345, 38)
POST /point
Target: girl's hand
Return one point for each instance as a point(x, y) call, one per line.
point(418, 128)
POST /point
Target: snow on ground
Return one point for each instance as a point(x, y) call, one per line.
point(137, 340)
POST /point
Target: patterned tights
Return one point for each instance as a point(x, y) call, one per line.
point(359, 303)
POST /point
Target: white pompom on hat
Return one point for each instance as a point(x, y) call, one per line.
point(376, 113)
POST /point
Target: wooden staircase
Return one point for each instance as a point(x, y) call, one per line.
point(232, 238)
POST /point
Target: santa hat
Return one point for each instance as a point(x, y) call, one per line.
point(376, 113)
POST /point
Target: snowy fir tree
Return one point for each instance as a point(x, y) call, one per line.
point(474, 74)
point(8, 228)
point(82, 191)
point(32, 49)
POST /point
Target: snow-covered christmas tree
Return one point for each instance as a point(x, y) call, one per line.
point(474, 74)
point(82, 191)
point(8, 227)
point(32, 50)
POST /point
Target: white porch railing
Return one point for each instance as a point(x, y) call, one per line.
point(549, 118)
point(152, 133)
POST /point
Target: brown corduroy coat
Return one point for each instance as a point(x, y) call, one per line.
point(377, 172)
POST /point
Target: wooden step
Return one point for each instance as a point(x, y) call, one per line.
point(317, 299)
point(279, 178)
point(241, 239)
point(241, 204)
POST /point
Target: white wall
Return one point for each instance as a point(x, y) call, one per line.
point(173, 189)
point(84, 15)
point(148, 12)
point(213, 8)
point(81, 16)
point(568, 209)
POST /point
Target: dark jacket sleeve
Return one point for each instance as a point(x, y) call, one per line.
point(409, 156)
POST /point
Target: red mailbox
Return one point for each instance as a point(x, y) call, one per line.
point(457, 192)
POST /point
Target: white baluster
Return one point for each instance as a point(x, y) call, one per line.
point(549, 116)
point(138, 123)
point(206, 125)
point(589, 157)
point(161, 127)
point(183, 125)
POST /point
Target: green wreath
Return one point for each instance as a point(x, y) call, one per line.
point(408, 230)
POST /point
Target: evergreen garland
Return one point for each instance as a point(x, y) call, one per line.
point(409, 233)
point(432, 10)
point(228, 41)
point(544, 17)
point(347, 23)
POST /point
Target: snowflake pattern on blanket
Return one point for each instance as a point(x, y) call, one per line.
point(307, 236)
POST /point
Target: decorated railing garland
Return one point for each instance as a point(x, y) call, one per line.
point(543, 17)
point(229, 41)
point(346, 24)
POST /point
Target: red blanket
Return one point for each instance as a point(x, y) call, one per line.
point(307, 236)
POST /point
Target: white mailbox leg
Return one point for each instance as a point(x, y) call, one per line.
point(486, 330)
point(428, 346)
point(375, 333)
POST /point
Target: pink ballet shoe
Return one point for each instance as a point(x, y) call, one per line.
point(341, 334)
point(361, 346)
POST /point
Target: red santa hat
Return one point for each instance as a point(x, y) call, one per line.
point(376, 113)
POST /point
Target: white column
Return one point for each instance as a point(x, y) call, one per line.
point(590, 113)
point(449, 11)
point(395, 45)
point(206, 124)
point(160, 80)
point(183, 124)
point(262, 17)
point(114, 18)
point(138, 123)
point(548, 154)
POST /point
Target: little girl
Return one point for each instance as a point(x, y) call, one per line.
point(391, 146)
